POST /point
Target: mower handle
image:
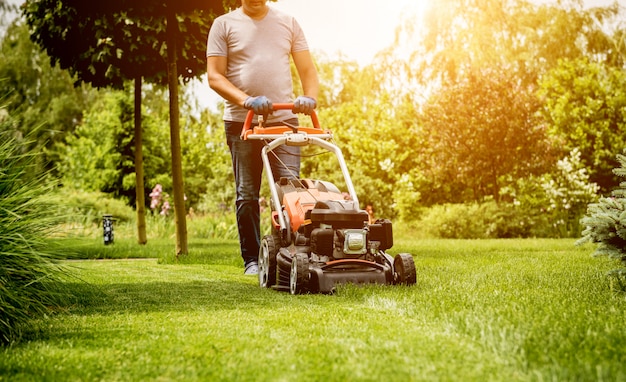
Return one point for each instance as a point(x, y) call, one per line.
point(247, 125)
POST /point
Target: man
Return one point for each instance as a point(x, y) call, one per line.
point(248, 64)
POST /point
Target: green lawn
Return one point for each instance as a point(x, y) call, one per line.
point(493, 310)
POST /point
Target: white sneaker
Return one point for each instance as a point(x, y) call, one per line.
point(252, 269)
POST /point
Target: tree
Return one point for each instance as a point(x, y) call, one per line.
point(584, 108)
point(455, 60)
point(605, 223)
point(480, 132)
point(520, 37)
point(158, 40)
point(42, 99)
point(98, 155)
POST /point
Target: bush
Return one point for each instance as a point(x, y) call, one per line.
point(475, 221)
point(89, 206)
point(605, 223)
point(214, 226)
point(553, 203)
point(28, 264)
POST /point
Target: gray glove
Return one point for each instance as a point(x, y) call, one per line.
point(304, 105)
point(261, 105)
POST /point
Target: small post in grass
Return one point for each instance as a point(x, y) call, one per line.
point(107, 225)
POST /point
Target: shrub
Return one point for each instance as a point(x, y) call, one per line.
point(28, 264)
point(89, 206)
point(605, 223)
point(475, 221)
point(553, 204)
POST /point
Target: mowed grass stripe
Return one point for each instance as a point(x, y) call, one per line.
point(481, 310)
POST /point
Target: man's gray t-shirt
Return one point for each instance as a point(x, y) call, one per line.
point(258, 54)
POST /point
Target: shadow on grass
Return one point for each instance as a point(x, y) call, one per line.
point(215, 290)
point(119, 299)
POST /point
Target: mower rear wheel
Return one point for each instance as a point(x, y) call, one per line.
point(404, 269)
point(299, 277)
point(267, 261)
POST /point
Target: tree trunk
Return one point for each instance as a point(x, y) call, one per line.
point(177, 169)
point(139, 185)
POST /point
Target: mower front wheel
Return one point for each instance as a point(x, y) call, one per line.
point(404, 269)
point(267, 261)
point(299, 277)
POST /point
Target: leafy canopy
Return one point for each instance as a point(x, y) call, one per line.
point(106, 42)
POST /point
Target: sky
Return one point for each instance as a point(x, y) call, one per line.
point(357, 28)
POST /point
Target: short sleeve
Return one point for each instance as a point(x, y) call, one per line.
point(299, 40)
point(216, 42)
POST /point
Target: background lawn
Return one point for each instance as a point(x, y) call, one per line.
point(490, 310)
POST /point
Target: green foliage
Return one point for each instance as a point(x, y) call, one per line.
point(568, 191)
point(523, 38)
point(478, 134)
point(80, 216)
point(222, 226)
point(477, 65)
point(42, 100)
point(406, 196)
point(92, 157)
point(550, 205)
point(553, 203)
point(120, 41)
point(584, 109)
point(485, 220)
point(27, 259)
point(209, 181)
point(358, 132)
point(605, 223)
point(82, 207)
point(99, 156)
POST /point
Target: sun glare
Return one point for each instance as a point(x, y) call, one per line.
point(358, 29)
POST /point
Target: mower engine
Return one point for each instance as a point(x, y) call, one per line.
point(331, 242)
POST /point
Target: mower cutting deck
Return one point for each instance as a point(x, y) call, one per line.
point(320, 237)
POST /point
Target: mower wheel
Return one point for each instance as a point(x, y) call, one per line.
point(299, 277)
point(267, 261)
point(404, 269)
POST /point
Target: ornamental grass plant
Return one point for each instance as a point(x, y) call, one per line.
point(28, 266)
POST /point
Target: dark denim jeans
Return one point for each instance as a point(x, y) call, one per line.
point(248, 169)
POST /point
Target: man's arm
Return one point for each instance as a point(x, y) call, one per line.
point(216, 75)
point(307, 73)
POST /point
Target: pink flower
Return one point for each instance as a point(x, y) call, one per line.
point(156, 196)
point(166, 208)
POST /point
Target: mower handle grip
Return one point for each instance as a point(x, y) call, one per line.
point(247, 125)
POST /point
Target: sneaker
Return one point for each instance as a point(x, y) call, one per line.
point(252, 268)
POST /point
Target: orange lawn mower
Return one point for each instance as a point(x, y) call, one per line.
point(320, 237)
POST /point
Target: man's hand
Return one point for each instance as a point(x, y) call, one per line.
point(304, 104)
point(261, 105)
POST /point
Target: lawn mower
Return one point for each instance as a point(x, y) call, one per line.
point(320, 238)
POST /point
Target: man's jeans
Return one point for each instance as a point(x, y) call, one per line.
point(248, 169)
